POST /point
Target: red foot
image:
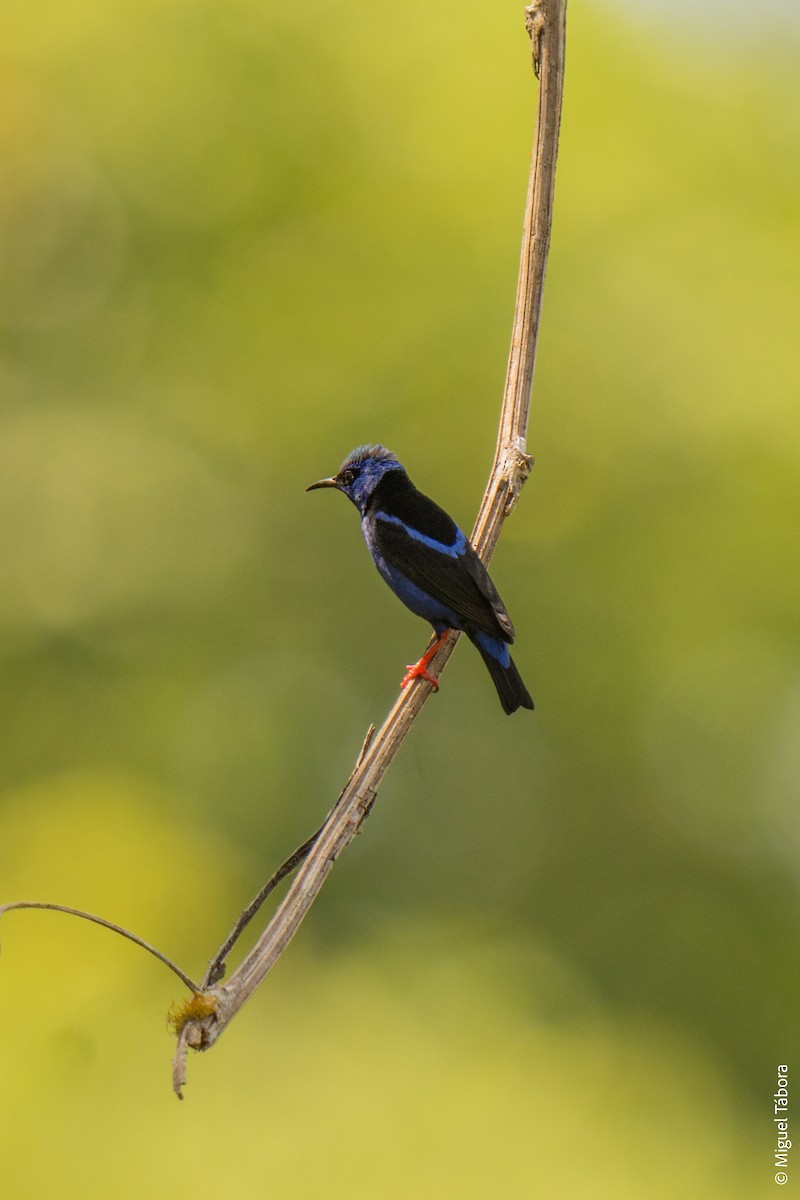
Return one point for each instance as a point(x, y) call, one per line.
point(419, 670)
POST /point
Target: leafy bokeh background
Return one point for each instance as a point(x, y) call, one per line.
point(237, 240)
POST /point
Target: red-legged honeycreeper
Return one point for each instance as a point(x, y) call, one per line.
point(428, 562)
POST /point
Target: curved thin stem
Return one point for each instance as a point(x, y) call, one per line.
point(216, 968)
point(126, 933)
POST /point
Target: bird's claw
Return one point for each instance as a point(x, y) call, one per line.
point(418, 671)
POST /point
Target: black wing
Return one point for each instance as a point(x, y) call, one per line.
point(461, 582)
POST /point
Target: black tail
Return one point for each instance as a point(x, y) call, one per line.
point(508, 681)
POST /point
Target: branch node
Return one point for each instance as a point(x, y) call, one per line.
point(534, 24)
point(516, 468)
point(197, 1008)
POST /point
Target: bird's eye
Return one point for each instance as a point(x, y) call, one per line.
point(348, 476)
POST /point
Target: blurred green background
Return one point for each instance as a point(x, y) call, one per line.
point(237, 240)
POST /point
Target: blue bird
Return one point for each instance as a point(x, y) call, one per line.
point(428, 562)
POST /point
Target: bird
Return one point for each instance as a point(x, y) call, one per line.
point(429, 564)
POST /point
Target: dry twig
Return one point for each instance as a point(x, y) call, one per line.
point(200, 1023)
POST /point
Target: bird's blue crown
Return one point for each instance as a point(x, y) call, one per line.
point(362, 454)
point(362, 471)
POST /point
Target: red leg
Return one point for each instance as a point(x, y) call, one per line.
point(419, 670)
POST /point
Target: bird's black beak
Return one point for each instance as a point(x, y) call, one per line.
point(332, 482)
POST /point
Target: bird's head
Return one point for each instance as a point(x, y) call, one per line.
point(360, 474)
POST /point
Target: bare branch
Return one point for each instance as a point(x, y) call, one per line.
point(545, 21)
